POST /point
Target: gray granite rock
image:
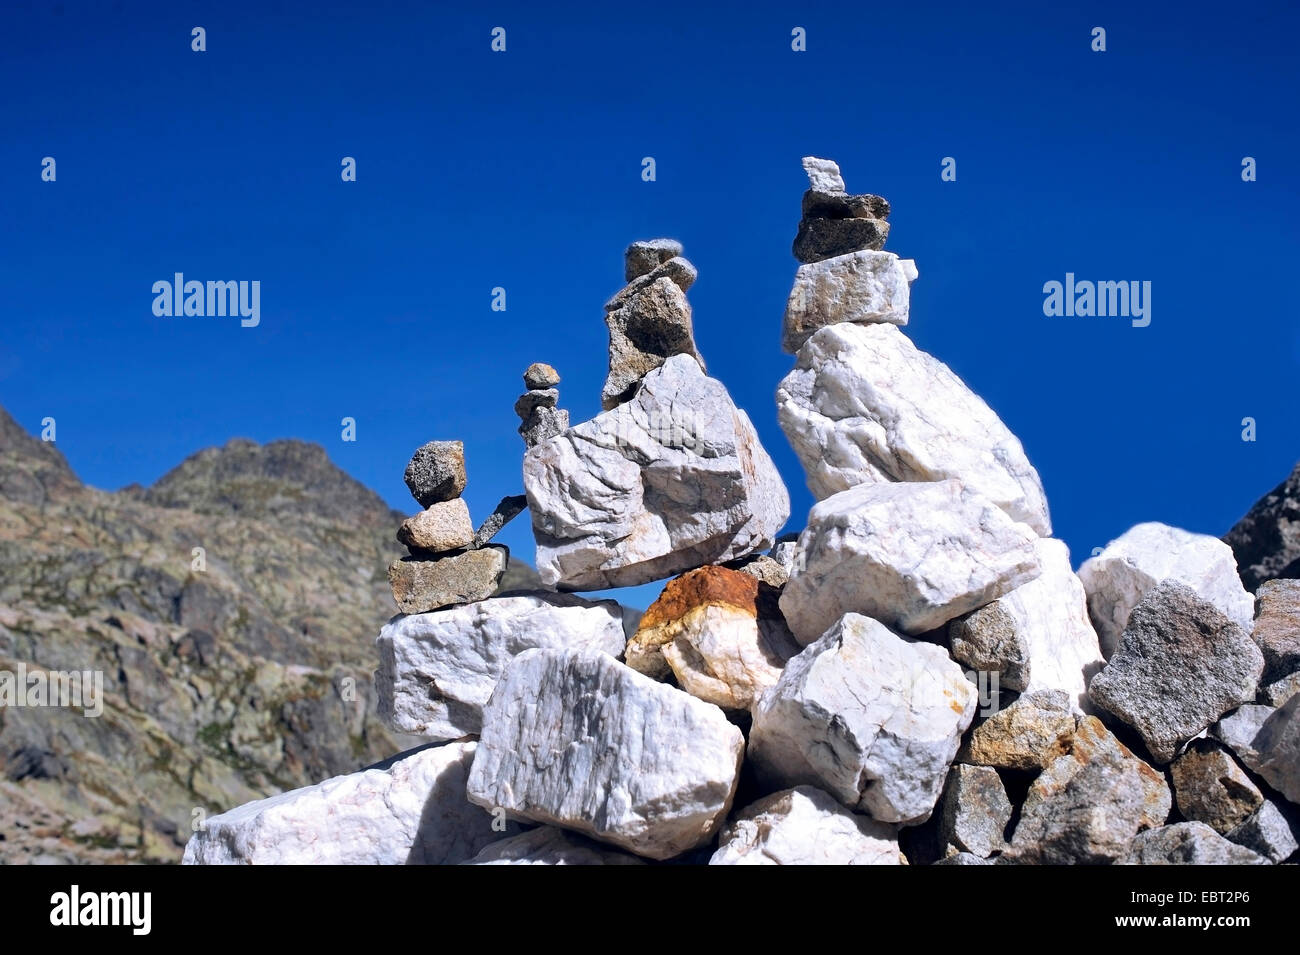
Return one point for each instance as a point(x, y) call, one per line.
point(540, 375)
point(537, 398)
point(1277, 747)
point(1238, 729)
point(436, 472)
point(650, 325)
point(420, 584)
point(1210, 787)
point(1266, 542)
point(1180, 665)
point(973, 811)
point(646, 255)
point(542, 424)
point(1027, 735)
point(1089, 803)
point(1187, 843)
point(439, 527)
point(819, 239)
point(1277, 627)
point(1268, 832)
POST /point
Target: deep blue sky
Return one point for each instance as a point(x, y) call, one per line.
point(522, 170)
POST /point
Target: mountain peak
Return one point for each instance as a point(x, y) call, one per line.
point(31, 470)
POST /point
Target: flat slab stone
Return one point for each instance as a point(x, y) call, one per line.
point(421, 584)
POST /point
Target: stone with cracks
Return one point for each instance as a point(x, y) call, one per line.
point(671, 480)
point(547, 846)
point(437, 670)
point(439, 527)
point(1187, 843)
point(1038, 637)
point(411, 810)
point(436, 472)
point(863, 405)
point(1277, 750)
point(1267, 832)
point(542, 424)
point(1027, 735)
point(805, 826)
point(506, 511)
point(863, 288)
point(823, 174)
point(1180, 665)
point(719, 632)
point(1089, 803)
point(973, 811)
point(420, 584)
point(1121, 575)
point(1277, 627)
point(912, 555)
point(819, 239)
point(872, 718)
point(647, 255)
point(652, 324)
point(576, 739)
point(1266, 542)
point(1210, 787)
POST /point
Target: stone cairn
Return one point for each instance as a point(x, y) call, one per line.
point(880, 678)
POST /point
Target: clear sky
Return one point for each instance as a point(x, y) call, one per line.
point(522, 170)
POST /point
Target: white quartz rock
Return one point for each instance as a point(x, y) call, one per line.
point(1037, 637)
point(672, 479)
point(1119, 577)
point(861, 287)
point(437, 670)
point(912, 555)
point(547, 846)
point(823, 174)
point(574, 738)
point(864, 405)
point(870, 717)
point(413, 811)
point(805, 826)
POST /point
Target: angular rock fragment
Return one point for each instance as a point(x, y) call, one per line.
point(973, 811)
point(1027, 735)
point(436, 472)
point(437, 670)
point(721, 634)
point(912, 555)
point(805, 826)
point(864, 405)
point(1266, 542)
point(764, 569)
point(647, 255)
point(1089, 803)
point(862, 287)
point(439, 527)
point(1267, 832)
point(870, 717)
point(547, 846)
point(1037, 637)
point(823, 174)
point(505, 512)
point(1187, 843)
point(1239, 728)
point(537, 398)
point(574, 738)
point(420, 585)
point(1277, 748)
point(836, 205)
point(413, 810)
point(647, 326)
point(673, 479)
point(819, 239)
point(542, 424)
point(1210, 787)
point(1180, 665)
point(1119, 577)
point(540, 375)
point(1277, 627)
point(1277, 693)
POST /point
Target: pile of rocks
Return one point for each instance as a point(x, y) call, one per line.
point(539, 415)
point(918, 677)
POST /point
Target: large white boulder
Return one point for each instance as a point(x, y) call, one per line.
point(673, 478)
point(864, 405)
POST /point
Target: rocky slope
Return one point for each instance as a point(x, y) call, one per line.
point(229, 673)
